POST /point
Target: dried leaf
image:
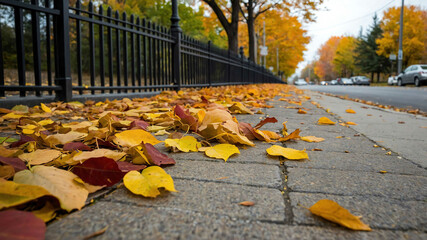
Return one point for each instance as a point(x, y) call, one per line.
point(23, 139)
point(40, 156)
point(289, 153)
point(238, 107)
point(155, 157)
point(6, 172)
point(185, 144)
point(325, 121)
point(59, 183)
point(350, 111)
point(97, 233)
point(186, 117)
point(148, 182)
point(332, 211)
point(127, 167)
point(351, 123)
point(46, 213)
point(99, 171)
point(45, 108)
point(14, 194)
point(130, 138)
point(16, 225)
point(139, 124)
point(61, 139)
point(265, 121)
point(222, 151)
point(83, 156)
point(247, 203)
point(293, 135)
point(284, 129)
point(16, 163)
point(72, 146)
point(312, 139)
point(7, 140)
point(300, 111)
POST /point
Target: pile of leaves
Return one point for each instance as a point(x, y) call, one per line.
point(66, 151)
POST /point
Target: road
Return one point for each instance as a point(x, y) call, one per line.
point(402, 97)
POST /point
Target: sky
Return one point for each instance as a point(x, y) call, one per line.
point(346, 17)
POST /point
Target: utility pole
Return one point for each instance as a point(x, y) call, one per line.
point(400, 53)
point(263, 43)
point(277, 60)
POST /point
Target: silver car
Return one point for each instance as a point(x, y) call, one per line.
point(360, 80)
point(414, 74)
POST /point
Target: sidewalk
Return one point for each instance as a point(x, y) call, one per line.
point(346, 171)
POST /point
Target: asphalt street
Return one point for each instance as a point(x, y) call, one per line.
point(402, 97)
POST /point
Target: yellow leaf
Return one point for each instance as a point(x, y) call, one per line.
point(222, 151)
point(58, 182)
point(285, 129)
point(6, 172)
point(300, 111)
point(46, 213)
point(350, 111)
point(138, 156)
point(12, 116)
point(161, 133)
point(293, 135)
point(148, 182)
point(215, 116)
point(185, 144)
point(351, 123)
point(102, 152)
point(270, 134)
point(45, 122)
point(332, 211)
point(130, 138)
point(289, 153)
point(156, 128)
point(45, 108)
point(27, 131)
point(62, 139)
point(238, 107)
point(40, 156)
point(325, 121)
point(312, 139)
point(14, 194)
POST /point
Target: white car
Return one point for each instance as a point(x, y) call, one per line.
point(392, 80)
point(300, 82)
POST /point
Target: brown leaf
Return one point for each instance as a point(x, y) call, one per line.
point(21, 225)
point(247, 203)
point(265, 121)
point(155, 157)
point(16, 163)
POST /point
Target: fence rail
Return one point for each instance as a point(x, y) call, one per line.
point(86, 51)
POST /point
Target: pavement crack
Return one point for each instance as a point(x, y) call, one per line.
point(223, 182)
point(359, 195)
point(289, 215)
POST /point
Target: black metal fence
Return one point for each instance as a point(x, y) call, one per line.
point(68, 53)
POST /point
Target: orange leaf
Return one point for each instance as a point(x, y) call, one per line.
point(332, 211)
point(350, 111)
point(300, 111)
point(247, 203)
point(293, 135)
point(325, 121)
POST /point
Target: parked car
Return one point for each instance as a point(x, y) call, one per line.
point(334, 82)
point(414, 74)
point(360, 80)
point(323, 83)
point(345, 81)
point(300, 82)
point(392, 80)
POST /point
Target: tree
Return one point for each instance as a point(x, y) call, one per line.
point(231, 26)
point(367, 58)
point(343, 61)
point(324, 67)
point(414, 35)
point(308, 72)
point(252, 9)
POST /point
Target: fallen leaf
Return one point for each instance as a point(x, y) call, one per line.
point(127, 167)
point(46, 213)
point(148, 182)
point(388, 153)
point(265, 121)
point(6, 171)
point(325, 121)
point(312, 139)
point(45, 108)
point(23, 139)
point(99, 171)
point(293, 135)
point(351, 123)
point(21, 225)
point(155, 157)
point(185, 144)
point(401, 122)
point(289, 153)
point(7, 140)
point(16, 163)
point(57, 182)
point(382, 171)
point(300, 111)
point(238, 107)
point(339, 136)
point(97, 233)
point(101, 152)
point(316, 149)
point(139, 124)
point(186, 117)
point(332, 211)
point(247, 203)
point(222, 151)
point(40, 156)
point(61, 139)
point(130, 138)
point(14, 194)
point(72, 146)
point(350, 111)
point(284, 129)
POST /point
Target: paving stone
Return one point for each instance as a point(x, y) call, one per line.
point(358, 162)
point(383, 213)
point(127, 221)
point(213, 198)
point(352, 183)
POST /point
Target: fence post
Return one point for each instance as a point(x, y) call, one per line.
point(62, 51)
point(209, 63)
point(242, 58)
point(176, 46)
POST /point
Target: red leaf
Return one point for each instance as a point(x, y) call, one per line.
point(139, 124)
point(127, 167)
point(186, 117)
point(21, 225)
point(16, 163)
point(267, 120)
point(99, 171)
point(247, 130)
point(76, 146)
point(155, 157)
point(106, 144)
point(24, 139)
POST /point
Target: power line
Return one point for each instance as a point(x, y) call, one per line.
point(352, 20)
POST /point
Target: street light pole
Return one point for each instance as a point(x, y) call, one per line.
point(400, 53)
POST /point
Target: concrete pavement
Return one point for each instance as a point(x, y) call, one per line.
point(346, 171)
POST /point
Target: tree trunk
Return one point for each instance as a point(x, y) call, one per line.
point(251, 31)
point(372, 76)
